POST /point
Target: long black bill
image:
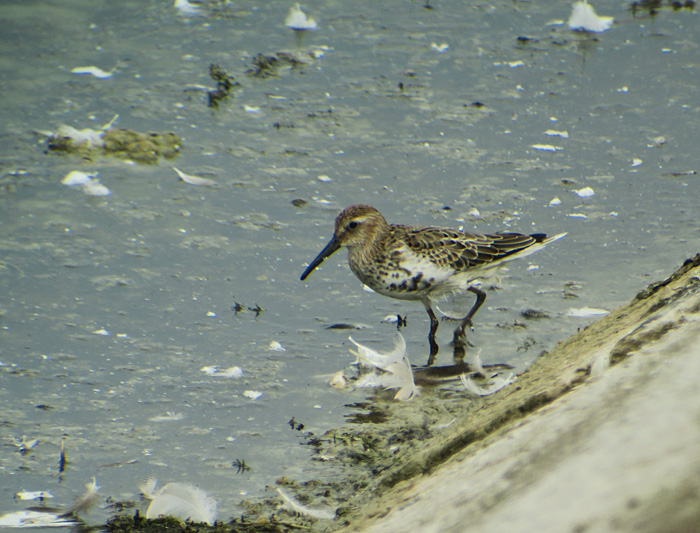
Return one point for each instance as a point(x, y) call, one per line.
point(329, 250)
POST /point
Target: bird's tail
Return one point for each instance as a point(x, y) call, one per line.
point(541, 241)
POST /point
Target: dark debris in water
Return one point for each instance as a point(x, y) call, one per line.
point(367, 452)
point(263, 66)
point(523, 40)
point(241, 466)
point(527, 344)
point(237, 308)
point(652, 7)
point(224, 85)
point(294, 424)
point(534, 314)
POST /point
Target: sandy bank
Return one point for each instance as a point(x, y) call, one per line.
point(600, 434)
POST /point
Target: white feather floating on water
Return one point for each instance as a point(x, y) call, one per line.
point(86, 136)
point(338, 381)
point(298, 20)
point(167, 417)
point(95, 188)
point(369, 380)
point(395, 366)
point(186, 9)
point(86, 501)
point(402, 375)
point(276, 346)
point(24, 445)
point(440, 48)
point(87, 182)
point(366, 356)
point(476, 364)
point(33, 495)
point(180, 500)
point(76, 178)
point(473, 212)
point(35, 519)
point(496, 384)
point(547, 147)
point(583, 17)
point(230, 372)
point(299, 508)
point(195, 180)
point(94, 71)
point(148, 487)
point(586, 192)
point(586, 312)
point(555, 133)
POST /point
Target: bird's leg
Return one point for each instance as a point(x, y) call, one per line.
point(460, 338)
point(434, 323)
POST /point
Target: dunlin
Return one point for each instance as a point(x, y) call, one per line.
point(424, 263)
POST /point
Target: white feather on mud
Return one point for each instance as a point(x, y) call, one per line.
point(296, 507)
point(388, 370)
point(183, 501)
point(494, 386)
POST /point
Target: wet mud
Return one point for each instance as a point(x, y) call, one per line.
point(386, 446)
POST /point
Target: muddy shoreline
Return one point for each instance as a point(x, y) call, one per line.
point(662, 318)
point(377, 467)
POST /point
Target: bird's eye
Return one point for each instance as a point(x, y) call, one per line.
point(352, 225)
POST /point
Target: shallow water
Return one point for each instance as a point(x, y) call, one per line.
point(112, 306)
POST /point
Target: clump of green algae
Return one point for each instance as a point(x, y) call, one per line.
point(122, 143)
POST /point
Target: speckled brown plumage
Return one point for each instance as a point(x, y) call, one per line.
point(423, 263)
